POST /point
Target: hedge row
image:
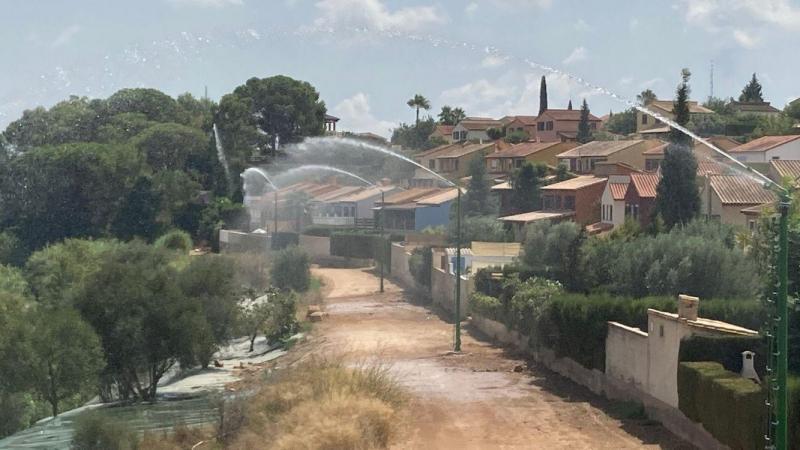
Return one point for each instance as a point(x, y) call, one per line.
point(420, 265)
point(731, 408)
point(363, 246)
point(726, 350)
point(283, 239)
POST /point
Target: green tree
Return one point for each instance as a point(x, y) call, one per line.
point(451, 116)
point(677, 197)
point(66, 356)
point(517, 136)
point(12, 250)
point(562, 173)
point(138, 212)
point(253, 315)
point(122, 127)
point(177, 240)
point(622, 123)
point(477, 201)
point(416, 137)
point(145, 322)
point(719, 105)
point(170, 146)
point(542, 95)
point(584, 132)
point(526, 183)
point(495, 133)
point(73, 120)
point(418, 102)
point(751, 93)
point(154, 104)
point(291, 269)
point(792, 109)
point(569, 105)
point(646, 97)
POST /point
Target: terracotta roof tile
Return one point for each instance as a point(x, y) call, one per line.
point(645, 184)
point(739, 190)
point(598, 148)
point(765, 143)
point(618, 190)
point(786, 168)
point(523, 149)
point(567, 114)
point(579, 182)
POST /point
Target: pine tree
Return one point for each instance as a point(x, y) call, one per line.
point(477, 201)
point(752, 91)
point(526, 184)
point(584, 132)
point(569, 105)
point(543, 96)
point(677, 197)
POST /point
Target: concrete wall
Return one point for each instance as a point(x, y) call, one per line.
point(443, 290)
point(400, 257)
point(316, 246)
point(231, 241)
point(626, 355)
point(663, 345)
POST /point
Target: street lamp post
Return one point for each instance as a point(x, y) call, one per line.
point(457, 346)
point(382, 244)
point(781, 397)
point(275, 212)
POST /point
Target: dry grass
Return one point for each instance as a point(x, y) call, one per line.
point(181, 437)
point(323, 404)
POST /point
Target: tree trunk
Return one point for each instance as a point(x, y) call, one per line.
point(252, 340)
point(417, 123)
point(53, 394)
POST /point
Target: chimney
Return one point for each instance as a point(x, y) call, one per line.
point(748, 370)
point(687, 307)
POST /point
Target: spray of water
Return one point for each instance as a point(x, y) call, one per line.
point(262, 173)
point(221, 154)
point(316, 144)
point(316, 167)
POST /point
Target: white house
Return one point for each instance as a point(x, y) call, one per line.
point(350, 206)
point(768, 148)
point(612, 209)
point(474, 129)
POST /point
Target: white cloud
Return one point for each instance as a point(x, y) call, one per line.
point(374, 14)
point(745, 39)
point(491, 61)
point(356, 115)
point(649, 84)
point(206, 3)
point(65, 36)
point(471, 9)
point(578, 54)
point(633, 24)
point(624, 81)
point(581, 25)
point(522, 3)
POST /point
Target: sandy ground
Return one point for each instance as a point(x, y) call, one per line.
point(472, 400)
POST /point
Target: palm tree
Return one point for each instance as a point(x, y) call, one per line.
point(458, 115)
point(446, 116)
point(419, 102)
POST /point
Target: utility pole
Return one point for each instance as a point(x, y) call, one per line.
point(275, 212)
point(457, 346)
point(711, 90)
point(382, 243)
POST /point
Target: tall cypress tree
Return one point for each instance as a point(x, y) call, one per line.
point(584, 132)
point(477, 200)
point(752, 91)
point(542, 96)
point(569, 105)
point(526, 193)
point(677, 197)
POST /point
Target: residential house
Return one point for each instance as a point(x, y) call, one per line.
point(723, 197)
point(423, 178)
point(516, 124)
point(451, 161)
point(417, 208)
point(482, 255)
point(561, 125)
point(443, 132)
point(755, 108)
point(655, 155)
point(330, 124)
point(576, 199)
point(607, 168)
point(640, 197)
point(504, 162)
point(350, 208)
point(475, 129)
point(261, 208)
point(768, 148)
point(612, 208)
point(647, 122)
point(784, 170)
point(583, 158)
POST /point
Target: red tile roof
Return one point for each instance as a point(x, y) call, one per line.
point(567, 114)
point(444, 130)
point(786, 168)
point(480, 123)
point(618, 190)
point(645, 184)
point(739, 190)
point(763, 144)
point(574, 184)
point(710, 167)
point(523, 149)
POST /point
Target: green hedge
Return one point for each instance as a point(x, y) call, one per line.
point(364, 246)
point(486, 306)
point(731, 408)
point(726, 350)
point(283, 239)
point(318, 231)
point(291, 269)
point(420, 265)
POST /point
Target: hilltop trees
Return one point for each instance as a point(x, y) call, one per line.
point(418, 102)
point(646, 97)
point(542, 95)
point(584, 132)
point(751, 93)
point(451, 116)
point(677, 199)
point(622, 123)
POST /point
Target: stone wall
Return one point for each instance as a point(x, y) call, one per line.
point(603, 384)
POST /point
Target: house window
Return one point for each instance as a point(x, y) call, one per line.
point(549, 125)
point(463, 135)
point(493, 164)
point(569, 202)
point(632, 210)
point(548, 202)
point(751, 224)
point(540, 126)
point(644, 119)
point(610, 213)
point(432, 164)
point(776, 157)
point(455, 165)
point(557, 199)
point(337, 211)
point(651, 164)
point(455, 135)
point(518, 163)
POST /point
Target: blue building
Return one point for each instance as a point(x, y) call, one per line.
point(417, 208)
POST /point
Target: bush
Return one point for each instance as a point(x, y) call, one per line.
point(175, 240)
point(731, 408)
point(420, 265)
point(725, 350)
point(283, 239)
point(291, 269)
point(318, 231)
point(486, 306)
point(95, 432)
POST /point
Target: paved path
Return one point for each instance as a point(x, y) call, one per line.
point(474, 400)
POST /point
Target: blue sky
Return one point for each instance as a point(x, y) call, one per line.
point(52, 49)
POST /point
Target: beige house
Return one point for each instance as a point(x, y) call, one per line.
point(474, 129)
point(582, 159)
point(443, 132)
point(505, 161)
point(723, 197)
point(768, 148)
point(654, 155)
point(526, 124)
point(784, 170)
point(450, 160)
point(647, 122)
point(560, 125)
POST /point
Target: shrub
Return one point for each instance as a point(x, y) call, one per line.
point(95, 432)
point(420, 265)
point(283, 239)
point(318, 231)
point(725, 350)
point(291, 269)
point(731, 408)
point(175, 240)
point(486, 306)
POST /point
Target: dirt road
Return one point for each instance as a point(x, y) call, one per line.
point(472, 400)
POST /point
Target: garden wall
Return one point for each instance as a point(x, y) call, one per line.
point(443, 291)
point(400, 271)
point(627, 355)
point(316, 246)
point(232, 241)
point(603, 384)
